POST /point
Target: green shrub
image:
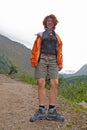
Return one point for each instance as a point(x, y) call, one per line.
point(75, 92)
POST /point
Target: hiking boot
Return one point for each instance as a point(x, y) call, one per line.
point(39, 115)
point(53, 115)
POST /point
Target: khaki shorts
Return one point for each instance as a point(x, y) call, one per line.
point(47, 67)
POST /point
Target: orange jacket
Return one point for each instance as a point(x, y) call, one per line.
point(35, 53)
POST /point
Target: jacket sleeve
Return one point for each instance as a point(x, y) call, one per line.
point(32, 56)
point(60, 55)
point(35, 52)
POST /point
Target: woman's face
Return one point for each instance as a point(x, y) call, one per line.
point(50, 24)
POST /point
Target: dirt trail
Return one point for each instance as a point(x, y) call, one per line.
point(18, 101)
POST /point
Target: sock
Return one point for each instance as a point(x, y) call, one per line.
point(51, 106)
point(40, 106)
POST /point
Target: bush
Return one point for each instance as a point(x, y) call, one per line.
point(75, 92)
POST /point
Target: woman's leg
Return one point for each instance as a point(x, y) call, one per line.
point(41, 91)
point(53, 91)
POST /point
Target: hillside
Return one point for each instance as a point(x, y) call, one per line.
point(17, 53)
point(5, 64)
point(82, 71)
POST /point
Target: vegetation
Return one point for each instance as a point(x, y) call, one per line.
point(75, 79)
point(6, 66)
point(13, 70)
point(27, 79)
point(74, 92)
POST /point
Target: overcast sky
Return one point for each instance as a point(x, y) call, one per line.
point(20, 20)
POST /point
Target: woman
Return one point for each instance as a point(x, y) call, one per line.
point(46, 57)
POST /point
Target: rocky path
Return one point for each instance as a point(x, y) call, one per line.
point(18, 101)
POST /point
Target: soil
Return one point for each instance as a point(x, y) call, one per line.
point(18, 101)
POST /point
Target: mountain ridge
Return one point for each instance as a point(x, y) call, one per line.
point(80, 72)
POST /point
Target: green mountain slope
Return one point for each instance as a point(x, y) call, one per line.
point(73, 79)
point(4, 64)
point(17, 53)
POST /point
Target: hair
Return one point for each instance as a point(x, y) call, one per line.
point(53, 17)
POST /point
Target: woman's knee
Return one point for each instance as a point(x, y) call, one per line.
point(54, 82)
point(41, 83)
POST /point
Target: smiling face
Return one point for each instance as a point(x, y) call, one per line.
point(50, 24)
